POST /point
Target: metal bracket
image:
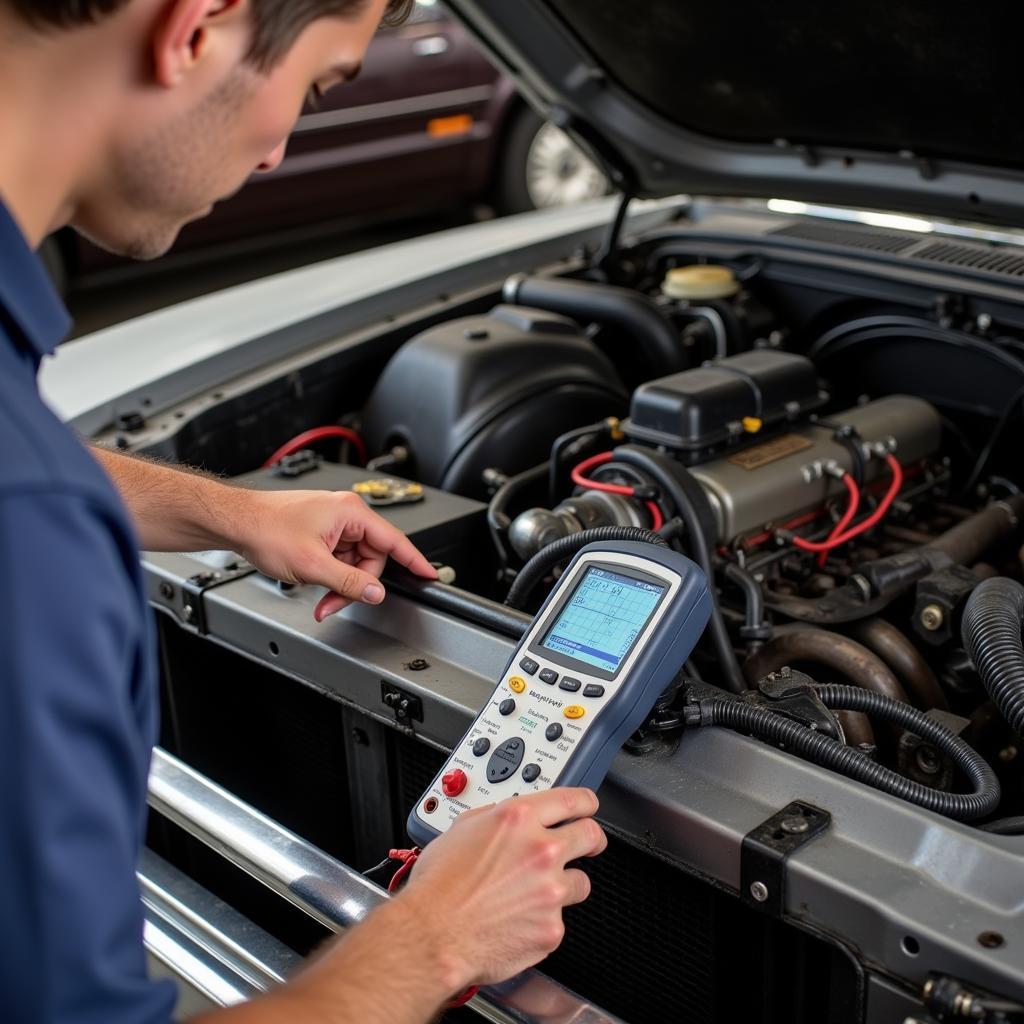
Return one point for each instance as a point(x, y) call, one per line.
point(193, 609)
point(766, 849)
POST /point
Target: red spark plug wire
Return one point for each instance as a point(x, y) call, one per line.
point(580, 479)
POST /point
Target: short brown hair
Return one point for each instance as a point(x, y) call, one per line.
point(276, 23)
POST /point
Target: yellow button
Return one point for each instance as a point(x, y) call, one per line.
point(751, 424)
point(574, 711)
point(517, 684)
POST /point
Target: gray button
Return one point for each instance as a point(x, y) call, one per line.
point(481, 746)
point(593, 690)
point(507, 706)
point(531, 773)
point(548, 675)
point(529, 666)
point(505, 760)
point(570, 684)
point(553, 731)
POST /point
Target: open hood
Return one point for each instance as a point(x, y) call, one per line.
point(893, 104)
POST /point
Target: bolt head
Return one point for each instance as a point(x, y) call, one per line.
point(932, 617)
point(795, 825)
point(759, 891)
point(189, 612)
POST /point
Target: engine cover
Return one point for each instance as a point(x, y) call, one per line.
point(487, 391)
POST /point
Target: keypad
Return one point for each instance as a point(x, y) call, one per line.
point(548, 675)
point(505, 760)
point(570, 684)
point(593, 690)
point(529, 666)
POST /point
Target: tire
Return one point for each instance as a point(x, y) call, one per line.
point(541, 167)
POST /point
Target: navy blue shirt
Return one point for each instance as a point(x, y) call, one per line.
point(77, 697)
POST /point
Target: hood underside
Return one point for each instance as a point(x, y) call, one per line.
point(902, 105)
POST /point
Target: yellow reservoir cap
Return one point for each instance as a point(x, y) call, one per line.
point(700, 281)
point(751, 424)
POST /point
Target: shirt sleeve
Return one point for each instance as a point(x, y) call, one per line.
point(73, 763)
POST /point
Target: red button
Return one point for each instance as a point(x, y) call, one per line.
point(454, 782)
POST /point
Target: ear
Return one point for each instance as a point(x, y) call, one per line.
point(181, 37)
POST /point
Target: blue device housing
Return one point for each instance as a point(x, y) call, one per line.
point(658, 662)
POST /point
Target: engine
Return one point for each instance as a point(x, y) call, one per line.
point(844, 540)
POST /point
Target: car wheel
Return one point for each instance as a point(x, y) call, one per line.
point(542, 167)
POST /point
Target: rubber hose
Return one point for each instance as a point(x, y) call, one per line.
point(634, 313)
point(565, 547)
point(460, 603)
point(753, 594)
point(660, 470)
point(831, 754)
point(1005, 826)
point(991, 634)
point(498, 520)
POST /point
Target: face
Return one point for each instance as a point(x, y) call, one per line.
point(179, 154)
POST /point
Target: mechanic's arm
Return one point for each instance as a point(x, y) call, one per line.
point(484, 903)
point(327, 538)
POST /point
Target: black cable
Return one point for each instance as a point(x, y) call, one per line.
point(666, 474)
point(672, 529)
point(831, 754)
point(498, 521)
point(1005, 826)
point(991, 634)
point(993, 440)
point(564, 548)
point(558, 452)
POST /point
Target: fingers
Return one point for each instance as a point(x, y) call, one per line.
point(584, 838)
point(578, 887)
point(347, 583)
point(555, 806)
point(382, 537)
point(329, 604)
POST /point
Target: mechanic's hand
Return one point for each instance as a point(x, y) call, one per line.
point(330, 538)
point(493, 886)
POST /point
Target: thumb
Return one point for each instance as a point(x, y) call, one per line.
point(347, 584)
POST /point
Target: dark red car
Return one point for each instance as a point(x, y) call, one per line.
point(429, 123)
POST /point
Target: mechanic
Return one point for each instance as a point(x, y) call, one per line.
point(126, 119)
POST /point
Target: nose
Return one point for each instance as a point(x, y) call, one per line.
point(273, 159)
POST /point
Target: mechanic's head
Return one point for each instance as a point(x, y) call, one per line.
point(185, 97)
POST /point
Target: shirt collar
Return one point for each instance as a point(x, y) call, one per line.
point(27, 295)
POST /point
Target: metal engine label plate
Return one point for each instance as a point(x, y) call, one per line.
point(771, 451)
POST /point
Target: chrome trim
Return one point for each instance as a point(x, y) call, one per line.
point(920, 223)
point(329, 891)
point(391, 109)
point(205, 945)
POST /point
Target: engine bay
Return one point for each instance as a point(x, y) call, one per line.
point(835, 445)
point(846, 520)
